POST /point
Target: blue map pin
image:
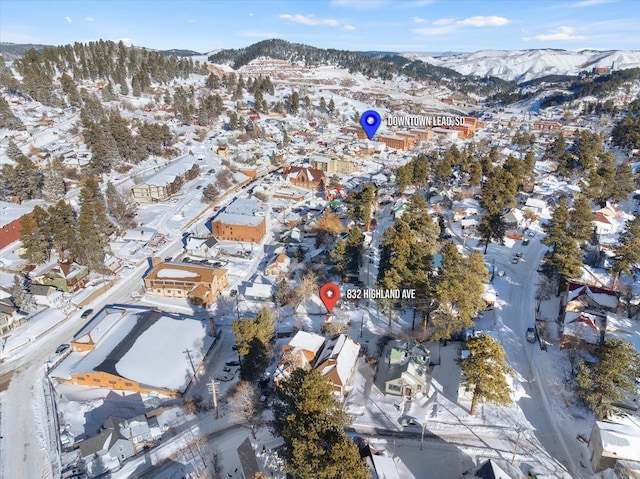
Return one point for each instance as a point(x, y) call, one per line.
point(370, 121)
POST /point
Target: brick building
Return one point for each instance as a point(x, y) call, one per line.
point(237, 227)
point(11, 215)
point(307, 178)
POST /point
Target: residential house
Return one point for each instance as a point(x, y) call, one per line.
point(64, 276)
point(603, 224)
point(9, 317)
point(206, 248)
point(514, 218)
point(166, 182)
point(408, 369)
point(546, 126)
point(260, 289)
point(488, 469)
point(307, 178)
point(469, 223)
point(535, 205)
point(337, 361)
point(301, 352)
point(248, 461)
point(11, 221)
point(585, 310)
point(279, 266)
point(617, 440)
point(199, 284)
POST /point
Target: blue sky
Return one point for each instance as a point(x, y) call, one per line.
point(391, 25)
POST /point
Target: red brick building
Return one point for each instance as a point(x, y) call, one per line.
point(235, 227)
point(11, 215)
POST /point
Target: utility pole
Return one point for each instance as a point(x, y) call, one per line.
point(188, 353)
point(213, 389)
point(515, 449)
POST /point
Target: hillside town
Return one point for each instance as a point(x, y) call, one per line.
point(165, 237)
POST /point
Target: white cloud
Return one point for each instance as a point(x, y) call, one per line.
point(88, 19)
point(563, 34)
point(491, 21)
point(68, 20)
point(447, 25)
point(590, 3)
point(418, 20)
point(310, 20)
point(444, 21)
point(349, 28)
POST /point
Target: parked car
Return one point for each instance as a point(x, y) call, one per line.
point(86, 313)
point(525, 242)
point(515, 260)
point(409, 422)
point(531, 233)
point(531, 335)
point(62, 348)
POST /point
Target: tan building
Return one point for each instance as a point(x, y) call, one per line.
point(331, 166)
point(166, 182)
point(201, 285)
point(236, 227)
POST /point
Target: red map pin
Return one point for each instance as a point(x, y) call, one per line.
point(329, 294)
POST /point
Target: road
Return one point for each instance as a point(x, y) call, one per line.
point(518, 312)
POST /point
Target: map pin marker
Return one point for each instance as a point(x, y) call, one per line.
point(329, 294)
point(370, 121)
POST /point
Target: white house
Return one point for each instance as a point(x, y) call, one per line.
point(206, 248)
point(603, 225)
point(613, 441)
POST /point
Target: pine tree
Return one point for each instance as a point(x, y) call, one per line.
point(21, 297)
point(283, 294)
point(26, 182)
point(603, 383)
point(558, 226)
point(94, 227)
point(338, 256)
point(34, 240)
point(136, 89)
point(323, 105)
point(253, 341)
point(312, 424)
point(580, 219)
point(458, 291)
point(54, 186)
point(491, 228)
point(331, 107)
point(627, 251)
point(13, 152)
point(486, 371)
point(62, 222)
point(624, 182)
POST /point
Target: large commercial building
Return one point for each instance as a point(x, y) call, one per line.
point(201, 285)
point(11, 215)
point(134, 348)
point(166, 182)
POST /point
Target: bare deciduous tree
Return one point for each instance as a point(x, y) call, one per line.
point(307, 288)
point(246, 406)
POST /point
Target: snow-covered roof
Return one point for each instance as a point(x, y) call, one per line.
point(583, 326)
point(142, 234)
point(623, 328)
point(621, 438)
point(604, 297)
point(344, 353)
point(157, 358)
point(9, 212)
point(176, 273)
point(238, 219)
point(307, 341)
point(246, 206)
point(171, 172)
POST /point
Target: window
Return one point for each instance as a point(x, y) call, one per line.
point(393, 387)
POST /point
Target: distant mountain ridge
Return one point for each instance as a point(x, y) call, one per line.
point(11, 51)
point(525, 65)
point(380, 65)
